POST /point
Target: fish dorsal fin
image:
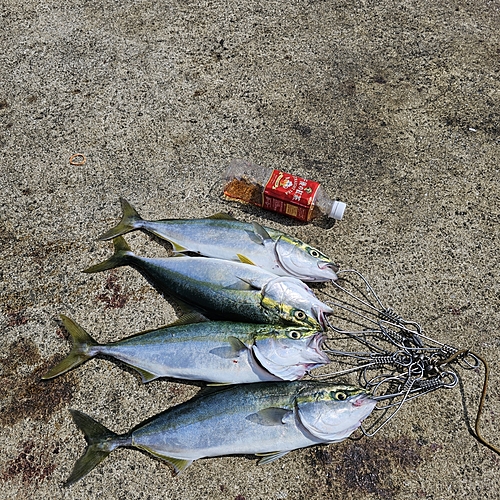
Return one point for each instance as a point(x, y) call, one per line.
point(269, 416)
point(244, 259)
point(178, 464)
point(188, 318)
point(261, 233)
point(267, 458)
point(221, 216)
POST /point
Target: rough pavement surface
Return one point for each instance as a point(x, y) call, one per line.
point(393, 106)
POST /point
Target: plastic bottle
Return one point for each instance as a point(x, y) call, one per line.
point(280, 192)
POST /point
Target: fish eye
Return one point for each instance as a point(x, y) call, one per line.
point(299, 315)
point(340, 396)
point(314, 253)
point(294, 334)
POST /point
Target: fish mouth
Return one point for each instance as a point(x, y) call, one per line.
point(331, 266)
point(364, 399)
point(364, 405)
point(320, 314)
point(360, 400)
point(316, 344)
point(317, 341)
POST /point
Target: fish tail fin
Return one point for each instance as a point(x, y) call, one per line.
point(118, 259)
point(131, 221)
point(100, 443)
point(82, 342)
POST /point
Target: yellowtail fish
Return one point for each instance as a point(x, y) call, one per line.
point(223, 237)
point(268, 419)
point(219, 352)
point(225, 290)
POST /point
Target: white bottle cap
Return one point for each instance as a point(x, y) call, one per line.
point(337, 211)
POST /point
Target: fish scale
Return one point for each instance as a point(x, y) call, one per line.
point(268, 419)
point(225, 290)
point(219, 352)
point(223, 237)
point(218, 302)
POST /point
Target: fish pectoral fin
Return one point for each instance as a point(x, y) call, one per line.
point(233, 350)
point(218, 384)
point(236, 344)
point(244, 259)
point(269, 416)
point(250, 284)
point(178, 464)
point(261, 233)
point(241, 284)
point(221, 216)
point(267, 458)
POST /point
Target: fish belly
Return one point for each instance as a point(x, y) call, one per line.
point(222, 239)
point(225, 423)
point(209, 284)
point(224, 435)
point(191, 360)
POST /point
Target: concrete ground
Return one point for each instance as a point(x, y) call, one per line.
point(393, 106)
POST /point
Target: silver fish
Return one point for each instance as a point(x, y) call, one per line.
point(223, 237)
point(268, 419)
point(219, 352)
point(221, 289)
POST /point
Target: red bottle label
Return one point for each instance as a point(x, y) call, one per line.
point(291, 195)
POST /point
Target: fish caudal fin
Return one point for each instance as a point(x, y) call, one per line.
point(101, 442)
point(118, 259)
point(131, 221)
point(82, 342)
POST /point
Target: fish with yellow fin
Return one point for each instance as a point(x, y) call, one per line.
point(225, 290)
point(268, 419)
point(223, 237)
point(218, 352)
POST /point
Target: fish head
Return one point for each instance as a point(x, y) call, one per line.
point(294, 302)
point(332, 412)
point(290, 352)
point(304, 261)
